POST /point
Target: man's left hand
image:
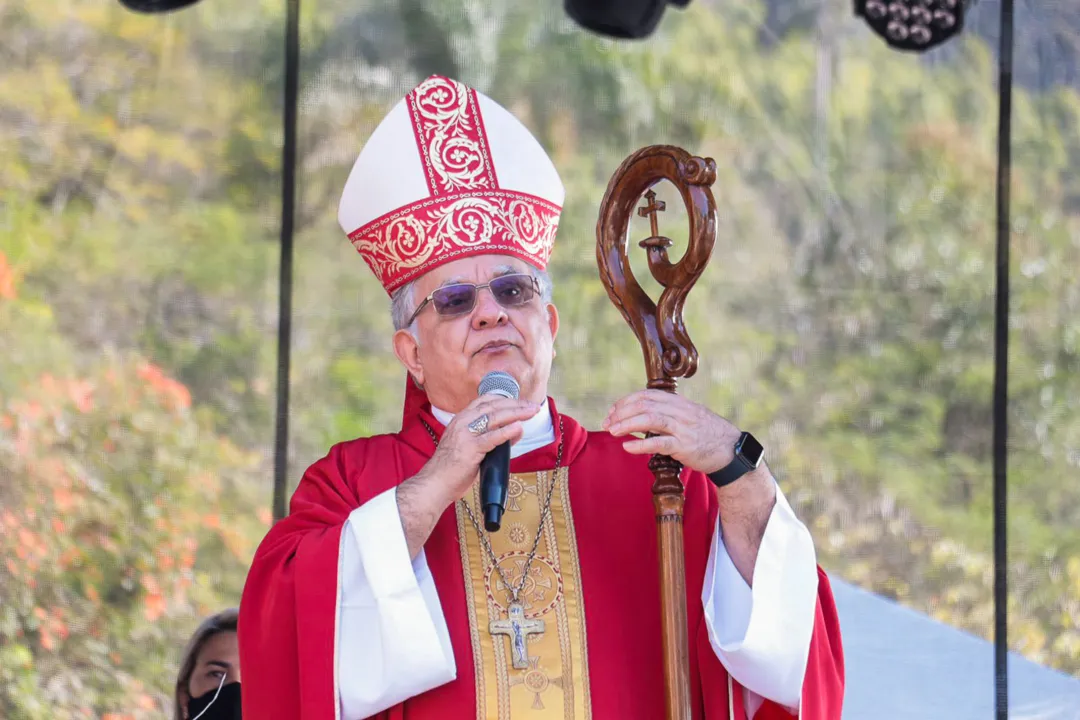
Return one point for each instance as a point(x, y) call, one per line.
point(684, 430)
point(703, 441)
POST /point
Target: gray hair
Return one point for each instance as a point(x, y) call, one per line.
point(403, 301)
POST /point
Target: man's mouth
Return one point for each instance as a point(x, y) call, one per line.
point(495, 346)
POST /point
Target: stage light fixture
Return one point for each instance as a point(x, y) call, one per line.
point(151, 7)
point(914, 25)
point(620, 19)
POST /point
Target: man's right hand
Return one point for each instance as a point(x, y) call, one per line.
point(454, 467)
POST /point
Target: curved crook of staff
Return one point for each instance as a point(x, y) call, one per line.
point(668, 351)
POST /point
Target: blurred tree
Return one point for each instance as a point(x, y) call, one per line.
point(123, 521)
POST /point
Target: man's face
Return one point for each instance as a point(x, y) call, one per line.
point(450, 355)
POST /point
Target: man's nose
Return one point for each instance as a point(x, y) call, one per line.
point(488, 312)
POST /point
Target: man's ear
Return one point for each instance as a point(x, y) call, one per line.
point(407, 350)
point(553, 320)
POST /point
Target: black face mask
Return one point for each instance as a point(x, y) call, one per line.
point(226, 706)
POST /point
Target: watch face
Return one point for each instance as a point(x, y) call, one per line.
point(750, 449)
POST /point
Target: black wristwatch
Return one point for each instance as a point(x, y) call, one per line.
point(748, 456)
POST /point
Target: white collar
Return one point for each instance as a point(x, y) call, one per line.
point(539, 430)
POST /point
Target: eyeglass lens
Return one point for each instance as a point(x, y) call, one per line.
point(508, 291)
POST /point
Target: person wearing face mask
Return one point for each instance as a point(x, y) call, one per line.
point(208, 685)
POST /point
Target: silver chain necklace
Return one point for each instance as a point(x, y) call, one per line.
point(516, 626)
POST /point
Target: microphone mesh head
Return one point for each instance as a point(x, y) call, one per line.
point(499, 383)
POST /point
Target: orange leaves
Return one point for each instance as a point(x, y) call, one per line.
point(67, 559)
point(31, 548)
point(49, 384)
point(151, 373)
point(58, 392)
point(63, 498)
point(173, 394)
point(154, 607)
point(30, 410)
point(187, 553)
point(154, 604)
point(81, 393)
point(236, 543)
point(52, 630)
point(7, 279)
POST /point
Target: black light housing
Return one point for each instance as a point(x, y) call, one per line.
point(914, 25)
point(620, 19)
point(152, 7)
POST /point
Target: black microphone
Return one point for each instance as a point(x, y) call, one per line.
point(495, 467)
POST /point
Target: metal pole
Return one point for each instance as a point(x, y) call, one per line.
point(288, 207)
point(1001, 364)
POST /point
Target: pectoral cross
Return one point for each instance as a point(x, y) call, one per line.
point(518, 629)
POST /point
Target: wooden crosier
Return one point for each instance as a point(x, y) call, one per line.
point(669, 353)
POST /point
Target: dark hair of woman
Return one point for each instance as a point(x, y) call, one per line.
point(211, 627)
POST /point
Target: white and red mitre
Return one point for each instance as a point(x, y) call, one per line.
point(449, 173)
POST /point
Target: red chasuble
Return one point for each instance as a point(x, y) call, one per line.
point(594, 584)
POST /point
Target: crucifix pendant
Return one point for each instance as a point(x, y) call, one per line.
point(518, 629)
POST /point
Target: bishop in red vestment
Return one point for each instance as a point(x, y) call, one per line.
point(382, 594)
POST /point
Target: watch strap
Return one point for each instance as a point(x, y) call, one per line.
point(727, 475)
point(748, 455)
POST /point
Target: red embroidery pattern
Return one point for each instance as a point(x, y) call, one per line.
point(450, 136)
point(403, 245)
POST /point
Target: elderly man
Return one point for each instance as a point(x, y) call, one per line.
point(382, 594)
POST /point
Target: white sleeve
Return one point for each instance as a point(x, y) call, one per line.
point(392, 641)
point(762, 635)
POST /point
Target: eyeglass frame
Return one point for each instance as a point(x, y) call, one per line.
point(431, 296)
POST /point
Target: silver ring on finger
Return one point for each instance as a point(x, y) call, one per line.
point(479, 426)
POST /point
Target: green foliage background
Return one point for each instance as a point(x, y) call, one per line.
point(847, 314)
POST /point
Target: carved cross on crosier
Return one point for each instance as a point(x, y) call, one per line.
point(650, 209)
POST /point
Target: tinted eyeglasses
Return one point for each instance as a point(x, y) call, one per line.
point(460, 298)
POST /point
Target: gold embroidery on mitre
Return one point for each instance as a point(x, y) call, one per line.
point(556, 682)
point(402, 245)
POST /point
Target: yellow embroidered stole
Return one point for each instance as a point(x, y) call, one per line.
point(555, 683)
